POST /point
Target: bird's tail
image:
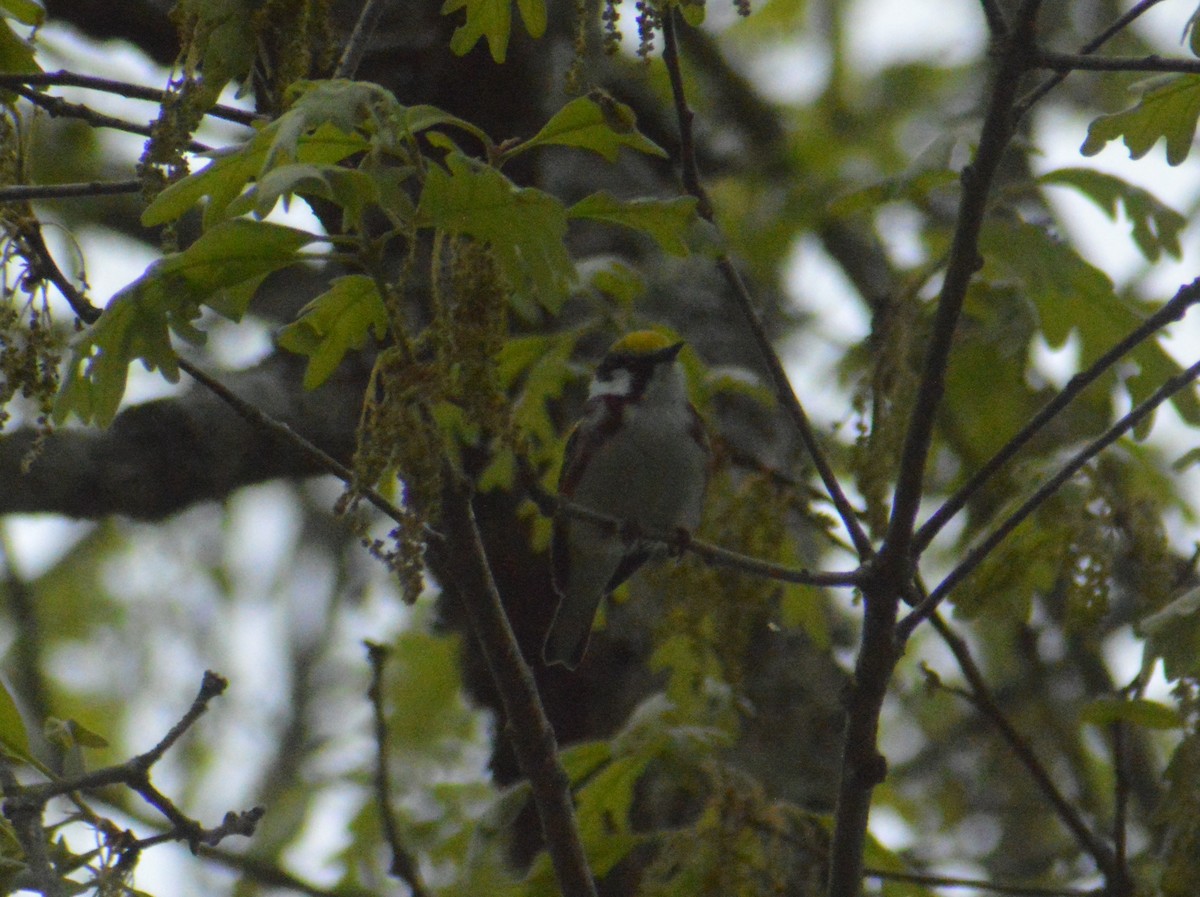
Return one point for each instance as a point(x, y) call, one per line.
point(567, 638)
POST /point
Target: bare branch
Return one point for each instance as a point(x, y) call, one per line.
point(680, 541)
point(59, 107)
point(24, 805)
point(981, 698)
point(1174, 310)
point(42, 266)
point(1090, 47)
point(120, 88)
point(25, 192)
point(975, 884)
point(963, 263)
point(784, 393)
point(889, 575)
point(404, 864)
point(1076, 62)
point(976, 555)
point(526, 725)
point(356, 46)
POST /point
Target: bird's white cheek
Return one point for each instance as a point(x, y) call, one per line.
point(619, 383)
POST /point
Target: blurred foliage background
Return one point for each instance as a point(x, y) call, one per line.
point(703, 731)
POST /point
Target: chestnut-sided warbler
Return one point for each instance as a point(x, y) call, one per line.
point(639, 455)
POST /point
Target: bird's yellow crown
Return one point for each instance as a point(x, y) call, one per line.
point(640, 342)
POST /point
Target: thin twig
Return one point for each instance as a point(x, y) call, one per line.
point(404, 864)
point(42, 266)
point(976, 555)
point(25, 192)
point(785, 395)
point(977, 884)
point(58, 107)
point(526, 725)
point(679, 541)
point(1091, 46)
point(981, 698)
point(1120, 760)
point(317, 455)
point(529, 729)
point(964, 261)
point(993, 14)
point(1076, 62)
point(1174, 310)
point(356, 46)
point(890, 574)
point(64, 78)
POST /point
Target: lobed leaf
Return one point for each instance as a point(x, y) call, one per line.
point(336, 322)
point(27, 12)
point(666, 221)
point(1168, 110)
point(1156, 226)
point(597, 123)
point(485, 18)
point(1138, 711)
point(14, 738)
point(524, 227)
point(222, 269)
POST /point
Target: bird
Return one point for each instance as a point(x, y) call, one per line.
point(639, 454)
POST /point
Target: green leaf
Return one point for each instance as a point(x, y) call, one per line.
point(1173, 633)
point(618, 281)
point(485, 18)
point(223, 40)
point(16, 55)
point(221, 269)
point(1138, 711)
point(334, 323)
point(349, 188)
point(525, 228)
point(596, 122)
point(666, 221)
point(14, 739)
point(1169, 110)
point(27, 12)
point(1156, 226)
point(229, 173)
point(533, 14)
point(1074, 296)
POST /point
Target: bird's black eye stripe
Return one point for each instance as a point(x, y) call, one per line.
point(636, 363)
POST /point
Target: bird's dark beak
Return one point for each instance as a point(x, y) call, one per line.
point(669, 353)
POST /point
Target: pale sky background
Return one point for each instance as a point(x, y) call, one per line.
point(263, 519)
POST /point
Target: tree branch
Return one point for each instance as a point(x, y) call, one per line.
point(24, 805)
point(529, 730)
point(356, 46)
point(1174, 310)
point(404, 864)
point(59, 107)
point(161, 456)
point(1091, 46)
point(41, 266)
point(981, 698)
point(526, 725)
point(25, 192)
point(964, 261)
point(976, 555)
point(889, 575)
point(1076, 62)
point(784, 394)
point(679, 542)
point(64, 78)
